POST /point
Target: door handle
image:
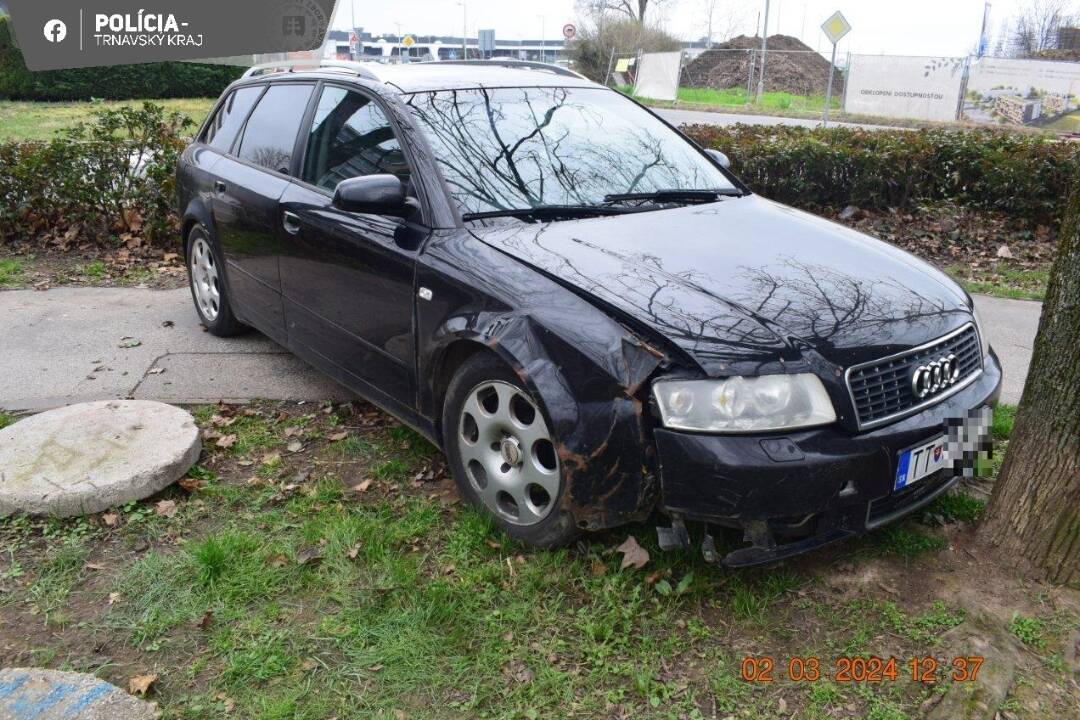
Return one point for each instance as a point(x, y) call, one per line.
point(291, 222)
point(219, 187)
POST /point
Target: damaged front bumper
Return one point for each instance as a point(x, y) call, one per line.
point(800, 491)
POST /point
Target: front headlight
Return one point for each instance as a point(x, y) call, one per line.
point(981, 329)
point(744, 404)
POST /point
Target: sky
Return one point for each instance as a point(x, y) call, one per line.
point(894, 27)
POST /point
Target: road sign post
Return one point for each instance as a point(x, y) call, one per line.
point(834, 28)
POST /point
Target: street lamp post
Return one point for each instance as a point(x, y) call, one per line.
point(543, 32)
point(764, 48)
point(464, 31)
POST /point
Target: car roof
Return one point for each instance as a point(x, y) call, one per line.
point(445, 75)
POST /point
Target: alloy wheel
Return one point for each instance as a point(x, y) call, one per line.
point(508, 453)
point(204, 279)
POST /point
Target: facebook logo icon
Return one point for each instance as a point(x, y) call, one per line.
point(55, 31)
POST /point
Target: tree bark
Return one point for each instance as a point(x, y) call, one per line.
point(1034, 511)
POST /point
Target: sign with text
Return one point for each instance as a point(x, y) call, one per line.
point(897, 86)
point(85, 33)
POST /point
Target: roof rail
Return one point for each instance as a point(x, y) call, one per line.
point(364, 70)
point(511, 63)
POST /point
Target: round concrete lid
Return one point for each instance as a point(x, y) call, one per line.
point(51, 694)
point(89, 457)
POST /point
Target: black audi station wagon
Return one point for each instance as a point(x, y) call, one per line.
point(591, 316)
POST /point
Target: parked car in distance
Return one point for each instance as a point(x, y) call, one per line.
point(592, 317)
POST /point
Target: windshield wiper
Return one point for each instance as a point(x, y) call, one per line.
point(674, 195)
point(542, 212)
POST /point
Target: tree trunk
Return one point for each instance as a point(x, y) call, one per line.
point(1034, 511)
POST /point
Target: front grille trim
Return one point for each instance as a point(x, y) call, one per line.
point(918, 407)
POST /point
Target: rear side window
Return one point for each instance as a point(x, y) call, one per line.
point(350, 137)
point(270, 134)
point(230, 116)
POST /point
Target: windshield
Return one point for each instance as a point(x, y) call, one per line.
point(506, 149)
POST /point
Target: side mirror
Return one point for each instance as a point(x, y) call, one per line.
point(374, 195)
point(719, 158)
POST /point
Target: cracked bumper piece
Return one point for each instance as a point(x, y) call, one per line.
point(791, 493)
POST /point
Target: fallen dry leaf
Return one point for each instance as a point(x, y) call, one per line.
point(110, 519)
point(353, 551)
point(295, 446)
point(114, 597)
point(309, 555)
point(165, 508)
point(205, 620)
point(191, 484)
point(633, 554)
point(226, 441)
point(362, 487)
point(338, 436)
point(292, 431)
point(140, 684)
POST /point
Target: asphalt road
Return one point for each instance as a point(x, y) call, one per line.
point(70, 345)
point(705, 117)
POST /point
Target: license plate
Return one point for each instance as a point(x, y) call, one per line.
point(918, 462)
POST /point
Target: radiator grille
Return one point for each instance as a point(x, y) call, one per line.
point(881, 390)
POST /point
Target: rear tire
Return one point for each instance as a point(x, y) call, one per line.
point(206, 278)
point(502, 455)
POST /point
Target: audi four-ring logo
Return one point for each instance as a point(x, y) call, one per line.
point(935, 376)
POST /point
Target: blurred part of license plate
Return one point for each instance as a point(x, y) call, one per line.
point(918, 462)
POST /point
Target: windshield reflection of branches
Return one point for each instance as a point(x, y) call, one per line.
point(504, 149)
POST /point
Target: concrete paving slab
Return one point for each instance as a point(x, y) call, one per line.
point(235, 376)
point(63, 346)
point(1011, 326)
point(88, 457)
point(36, 694)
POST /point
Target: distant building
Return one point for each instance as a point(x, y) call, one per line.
point(1017, 109)
point(1068, 38)
point(1054, 105)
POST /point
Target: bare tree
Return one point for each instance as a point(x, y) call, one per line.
point(721, 18)
point(1035, 27)
point(633, 9)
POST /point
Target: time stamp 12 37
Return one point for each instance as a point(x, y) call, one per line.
point(873, 669)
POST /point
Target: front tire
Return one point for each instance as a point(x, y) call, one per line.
point(502, 454)
point(206, 279)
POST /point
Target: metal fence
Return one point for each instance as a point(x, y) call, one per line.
point(1042, 94)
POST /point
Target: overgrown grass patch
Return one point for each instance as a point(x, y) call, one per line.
point(11, 272)
point(1003, 282)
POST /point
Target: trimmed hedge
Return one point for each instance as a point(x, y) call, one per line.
point(1024, 175)
point(112, 179)
point(118, 82)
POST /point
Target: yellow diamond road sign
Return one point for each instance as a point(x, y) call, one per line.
point(408, 41)
point(836, 27)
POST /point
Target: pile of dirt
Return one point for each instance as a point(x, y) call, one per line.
point(791, 66)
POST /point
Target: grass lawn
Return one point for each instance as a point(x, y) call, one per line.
point(1004, 282)
point(769, 100)
point(317, 564)
point(41, 120)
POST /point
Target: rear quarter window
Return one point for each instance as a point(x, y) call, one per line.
point(229, 118)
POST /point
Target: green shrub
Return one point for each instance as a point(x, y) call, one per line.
point(113, 177)
point(1020, 174)
point(117, 82)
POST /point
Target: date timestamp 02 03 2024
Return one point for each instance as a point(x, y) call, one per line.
point(763, 668)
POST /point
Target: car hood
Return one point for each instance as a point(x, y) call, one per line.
point(745, 283)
